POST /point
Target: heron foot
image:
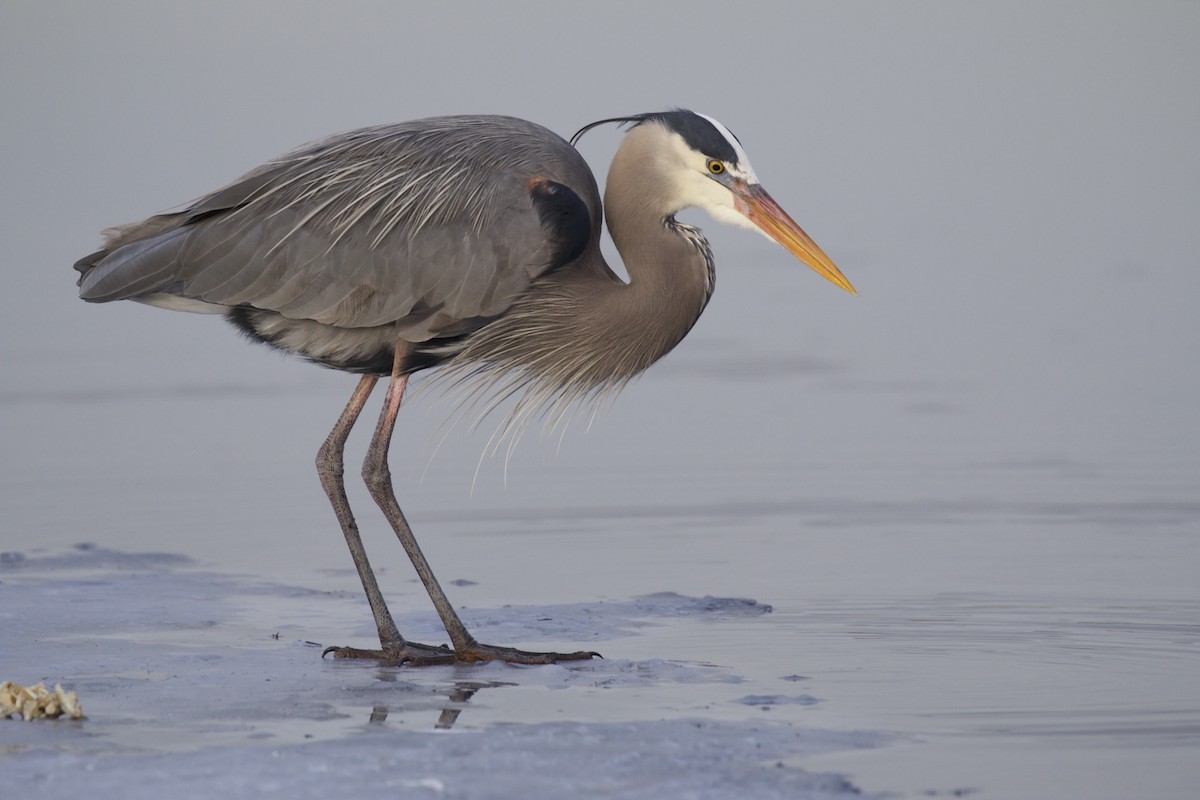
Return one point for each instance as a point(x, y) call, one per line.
point(411, 654)
point(407, 654)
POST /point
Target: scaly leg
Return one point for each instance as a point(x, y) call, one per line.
point(379, 483)
point(329, 468)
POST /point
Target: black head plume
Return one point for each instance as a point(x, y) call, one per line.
point(699, 131)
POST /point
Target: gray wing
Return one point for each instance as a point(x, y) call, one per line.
point(434, 219)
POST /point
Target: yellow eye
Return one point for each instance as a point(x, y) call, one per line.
point(715, 167)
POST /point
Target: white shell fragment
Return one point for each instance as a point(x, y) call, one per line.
point(37, 702)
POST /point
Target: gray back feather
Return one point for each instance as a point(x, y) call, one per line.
point(427, 224)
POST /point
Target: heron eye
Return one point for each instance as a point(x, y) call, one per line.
point(715, 167)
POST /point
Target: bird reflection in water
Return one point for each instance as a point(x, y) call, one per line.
point(458, 694)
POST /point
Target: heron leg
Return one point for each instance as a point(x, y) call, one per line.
point(379, 482)
point(330, 470)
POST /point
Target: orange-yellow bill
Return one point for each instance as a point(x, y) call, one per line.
point(761, 209)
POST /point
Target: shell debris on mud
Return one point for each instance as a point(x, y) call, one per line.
point(37, 702)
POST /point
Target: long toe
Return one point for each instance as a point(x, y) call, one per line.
point(408, 654)
point(486, 652)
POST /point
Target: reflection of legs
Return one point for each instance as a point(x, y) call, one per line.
point(379, 483)
point(330, 470)
point(460, 693)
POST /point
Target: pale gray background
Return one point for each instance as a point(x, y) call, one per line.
point(1014, 188)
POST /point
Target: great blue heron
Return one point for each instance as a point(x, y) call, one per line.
point(467, 242)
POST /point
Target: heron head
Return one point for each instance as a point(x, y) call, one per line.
point(706, 167)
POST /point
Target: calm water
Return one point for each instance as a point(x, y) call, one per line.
point(1025, 623)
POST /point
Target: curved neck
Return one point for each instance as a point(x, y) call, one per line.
point(580, 331)
point(669, 264)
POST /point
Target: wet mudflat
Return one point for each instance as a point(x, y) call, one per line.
point(181, 681)
point(992, 629)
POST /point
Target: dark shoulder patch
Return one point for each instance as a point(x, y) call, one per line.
point(564, 217)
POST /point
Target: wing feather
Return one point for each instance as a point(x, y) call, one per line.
point(394, 224)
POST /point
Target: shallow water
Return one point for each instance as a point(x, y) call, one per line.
point(984, 625)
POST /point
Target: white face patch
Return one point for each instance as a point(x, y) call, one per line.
point(687, 183)
point(742, 169)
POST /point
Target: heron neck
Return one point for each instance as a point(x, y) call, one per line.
point(580, 331)
point(669, 263)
